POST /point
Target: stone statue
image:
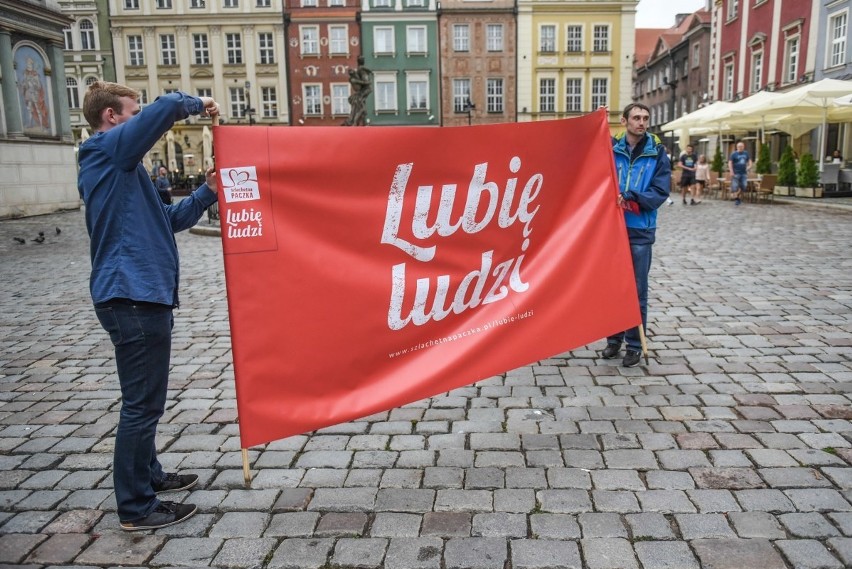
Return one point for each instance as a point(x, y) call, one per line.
point(361, 80)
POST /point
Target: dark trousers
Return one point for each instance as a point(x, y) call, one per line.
point(641, 254)
point(142, 336)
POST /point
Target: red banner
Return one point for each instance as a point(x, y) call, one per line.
point(371, 267)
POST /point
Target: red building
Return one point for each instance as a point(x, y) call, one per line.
point(323, 43)
point(763, 44)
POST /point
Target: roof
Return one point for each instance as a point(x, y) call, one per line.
point(646, 41)
point(650, 42)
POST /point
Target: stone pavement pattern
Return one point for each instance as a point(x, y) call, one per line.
point(731, 450)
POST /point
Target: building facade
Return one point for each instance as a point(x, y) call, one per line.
point(574, 57)
point(834, 59)
point(764, 44)
point(672, 80)
point(36, 144)
point(324, 43)
point(88, 54)
point(400, 46)
point(478, 62)
point(232, 50)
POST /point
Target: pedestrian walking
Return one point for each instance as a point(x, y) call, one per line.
point(644, 183)
point(134, 280)
point(688, 160)
point(164, 186)
point(739, 163)
point(702, 174)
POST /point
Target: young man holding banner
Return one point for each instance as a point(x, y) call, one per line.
point(644, 182)
point(134, 280)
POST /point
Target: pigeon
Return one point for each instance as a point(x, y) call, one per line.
point(58, 231)
point(40, 238)
point(19, 240)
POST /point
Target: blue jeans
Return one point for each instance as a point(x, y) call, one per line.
point(641, 254)
point(738, 182)
point(142, 336)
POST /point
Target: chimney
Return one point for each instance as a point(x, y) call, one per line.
point(679, 19)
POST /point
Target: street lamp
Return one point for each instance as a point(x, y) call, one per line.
point(671, 83)
point(247, 110)
point(468, 108)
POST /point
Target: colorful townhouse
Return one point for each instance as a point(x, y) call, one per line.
point(478, 61)
point(323, 44)
point(574, 57)
point(400, 47)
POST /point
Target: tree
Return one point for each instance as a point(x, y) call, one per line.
point(787, 168)
point(718, 164)
point(763, 164)
point(808, 176)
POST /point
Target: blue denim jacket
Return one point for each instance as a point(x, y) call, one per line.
point(644, 176)
point(133, 248)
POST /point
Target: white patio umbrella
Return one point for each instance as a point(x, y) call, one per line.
point(815, 102)
point(170, 145)
point(206, 147)
point(701, 119)
point(745, 113)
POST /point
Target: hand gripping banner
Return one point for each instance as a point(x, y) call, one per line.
point(370, 267)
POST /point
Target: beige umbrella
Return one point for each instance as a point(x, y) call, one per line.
point(745, 113)
point(206, 147)
point(170, 151)
point(813, 103)
point(699, 120)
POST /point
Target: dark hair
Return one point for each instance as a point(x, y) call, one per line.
point(631, 106)
point(105, 95)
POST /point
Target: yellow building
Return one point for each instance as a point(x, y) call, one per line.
point(574, 56)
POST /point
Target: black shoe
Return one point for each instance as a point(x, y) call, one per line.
point(631, 359)
point(174, 482)
point(610, 351)
point(691, 201)
point(166, 514)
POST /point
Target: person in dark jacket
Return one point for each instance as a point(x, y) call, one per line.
point(644, 183)
point(134, 280)
point(164, 186)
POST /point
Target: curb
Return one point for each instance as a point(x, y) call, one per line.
point(207, 230)
point(813, 202)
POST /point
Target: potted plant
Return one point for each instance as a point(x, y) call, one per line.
point(718, 165)
point(786, 173)
point(763, 164)
point(807, 178)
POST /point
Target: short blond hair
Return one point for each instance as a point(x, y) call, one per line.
point(105, 95)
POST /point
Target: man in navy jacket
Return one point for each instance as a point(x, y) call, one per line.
point(134, 280)
point(644, 183)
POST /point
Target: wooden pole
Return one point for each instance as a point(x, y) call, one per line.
point(644, 342)
point(246, 469)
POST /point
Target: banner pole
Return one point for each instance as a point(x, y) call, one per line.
point(644, 342)
point(246, 469)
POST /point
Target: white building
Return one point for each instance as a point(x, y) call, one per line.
point(37, 165)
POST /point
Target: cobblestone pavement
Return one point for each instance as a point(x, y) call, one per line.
point(731, 450)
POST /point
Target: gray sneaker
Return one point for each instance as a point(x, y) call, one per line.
point(166, 514)
point(173, 482)
point(610, 351)
point(631, 358)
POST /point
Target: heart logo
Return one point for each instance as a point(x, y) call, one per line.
point(238, 177)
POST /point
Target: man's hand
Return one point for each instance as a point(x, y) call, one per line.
point(212, 182)
point(211, 107)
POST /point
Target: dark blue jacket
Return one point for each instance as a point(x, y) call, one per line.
point(644, 177)
point(133, 249)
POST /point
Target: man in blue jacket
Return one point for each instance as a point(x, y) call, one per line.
point(134, 280)
point(644, 183)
